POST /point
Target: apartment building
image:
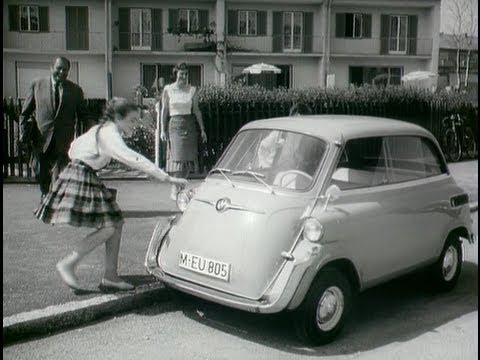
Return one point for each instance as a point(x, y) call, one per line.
point(115, 45)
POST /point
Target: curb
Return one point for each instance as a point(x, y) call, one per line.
point(25, 326)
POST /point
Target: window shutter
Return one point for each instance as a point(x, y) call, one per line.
point(261, 23)
point(203, 20)
point(367, 26)
point(412, 34)
point(384, 33)
point(124, 28)
point(307, 32)
point(277, 29)
point(173, 19)
point(43, 18)
point(13, 15)
point(157, 33)
point(232, 22)
point(83, 27)
point(149, 73)
point(340, 25)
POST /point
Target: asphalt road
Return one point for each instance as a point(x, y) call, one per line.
point(398, 320)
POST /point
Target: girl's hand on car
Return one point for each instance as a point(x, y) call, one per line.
point(179, 181)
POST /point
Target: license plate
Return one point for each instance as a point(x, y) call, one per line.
point(209, 267)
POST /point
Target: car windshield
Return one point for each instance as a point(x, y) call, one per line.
point(276, 158)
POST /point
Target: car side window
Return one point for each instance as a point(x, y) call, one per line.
point(412, 158)
point(362, 164)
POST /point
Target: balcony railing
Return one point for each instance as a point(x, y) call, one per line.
point(276, 44)
point(54, 41)
point(372, 46)
point(165, 42)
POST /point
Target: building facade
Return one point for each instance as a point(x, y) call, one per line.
point(116, 45)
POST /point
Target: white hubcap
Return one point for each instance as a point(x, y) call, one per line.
point(450, 263)
point(330, 308)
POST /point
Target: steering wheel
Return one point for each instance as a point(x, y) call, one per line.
point(284, 181)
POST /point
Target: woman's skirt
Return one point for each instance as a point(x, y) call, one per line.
point(182, 145)
point(79, 198)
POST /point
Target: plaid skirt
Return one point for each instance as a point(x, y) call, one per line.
point(79, 198)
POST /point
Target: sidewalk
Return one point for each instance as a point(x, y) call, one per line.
point(31, 250)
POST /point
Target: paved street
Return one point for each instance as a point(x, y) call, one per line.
point(396, 321)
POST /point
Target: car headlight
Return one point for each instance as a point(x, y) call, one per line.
point(183, 199)
point(312, 229)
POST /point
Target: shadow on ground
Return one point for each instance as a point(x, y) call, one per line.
point(397, 311)
point(147, 214)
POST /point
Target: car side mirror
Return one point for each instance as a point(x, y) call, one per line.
point(332, 194)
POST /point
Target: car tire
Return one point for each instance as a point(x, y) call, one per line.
point(453, 149)
point(448, 267)
point(330, 297)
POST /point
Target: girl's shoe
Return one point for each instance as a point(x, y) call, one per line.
point(109, 286)
point(66, 269)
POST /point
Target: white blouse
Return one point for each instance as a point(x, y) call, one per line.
point(179, 101)
point(110, 145)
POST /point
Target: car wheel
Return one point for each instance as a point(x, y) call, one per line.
point(453, 149)
point(446, 270)
point(322, 314)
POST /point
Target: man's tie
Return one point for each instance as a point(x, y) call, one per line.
point(57, 96)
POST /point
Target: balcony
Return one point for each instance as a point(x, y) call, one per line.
point(45, 42)
point(275, 44)
point(166, 42)
point(371, 46)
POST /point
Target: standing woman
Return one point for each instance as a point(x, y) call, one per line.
point(79, 198)
point(179, 112)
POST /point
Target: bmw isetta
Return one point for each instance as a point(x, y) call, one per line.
point(301, 213)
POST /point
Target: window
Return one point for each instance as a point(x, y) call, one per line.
point(353, 25)
point(380, 76)
point(29, 19)
point(76, 22)
point(362, 164)
point(398, 34)
point(412, 158)
point(154, 76)
point(188, 20)
point(141, 29)
point(247, 22)
point(292, 31)
point(285, 159)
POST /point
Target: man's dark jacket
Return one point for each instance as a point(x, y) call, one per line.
point(40, 99)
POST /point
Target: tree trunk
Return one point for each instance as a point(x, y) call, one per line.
point(457, 87)
point(467, 69)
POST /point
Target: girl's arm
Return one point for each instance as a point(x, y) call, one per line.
point(111, 143)
point(164, 115)
point(198, 115)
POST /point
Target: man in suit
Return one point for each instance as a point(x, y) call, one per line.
point(58, 104)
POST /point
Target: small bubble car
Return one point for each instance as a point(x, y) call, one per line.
point(301, 213)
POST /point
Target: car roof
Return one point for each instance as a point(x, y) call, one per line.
point(336, 127)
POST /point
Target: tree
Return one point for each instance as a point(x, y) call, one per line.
point(463, 29)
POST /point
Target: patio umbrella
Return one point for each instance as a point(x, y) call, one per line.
point(261, 68)
point(418, 75)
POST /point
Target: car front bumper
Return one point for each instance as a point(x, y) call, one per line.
point(275, 299)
